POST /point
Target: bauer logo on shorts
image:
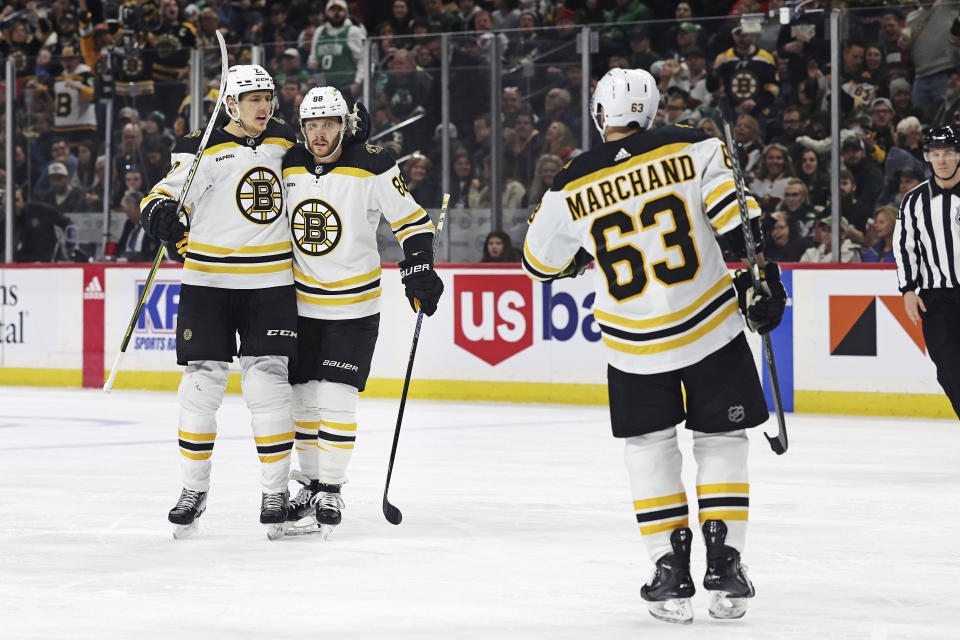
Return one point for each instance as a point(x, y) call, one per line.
point(259, 196)
point(316, 227)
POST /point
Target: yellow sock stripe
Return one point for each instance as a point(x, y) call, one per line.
point(274, 458)
point(723, 515)
point(196, 455)
point(663, 526)
point(306, 426)
point(196, 437)
point(663, 501)
point(732, 487)
point(344, 445)
point(339, 426)
point(280, 437)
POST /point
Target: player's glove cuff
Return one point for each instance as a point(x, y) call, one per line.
point(421, 283)
point(762, 306)
point(161, 220)
point(577, 266)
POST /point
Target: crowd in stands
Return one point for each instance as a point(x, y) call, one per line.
point(899, 76)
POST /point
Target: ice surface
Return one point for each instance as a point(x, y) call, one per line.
point(517, 524)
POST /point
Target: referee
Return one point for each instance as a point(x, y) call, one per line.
point(926, 243)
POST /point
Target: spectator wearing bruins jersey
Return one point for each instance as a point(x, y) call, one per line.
point(170, 45)
point(336, 188)
point(648, 203)
point(237, 279)
point(749, 75)
point(75, 113)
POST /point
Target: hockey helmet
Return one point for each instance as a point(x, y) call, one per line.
point(328, 102)
point(627, 97)
point(943, 137)
point(244, 78)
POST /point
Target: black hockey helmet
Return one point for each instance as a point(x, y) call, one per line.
point(941, 137)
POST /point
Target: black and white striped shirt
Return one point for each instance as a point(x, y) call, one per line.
point(926, 239)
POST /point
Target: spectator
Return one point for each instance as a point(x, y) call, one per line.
point(822, 250)
point(907, 179)
point(522, 146)
point(930, 51)
point(506, 14)
point(59, 152)
point(814, 177)
point(462, 179)
point(910, 136)
point(513, 191)
point(559, 141)
point(792, 125)
point(497, 247)
point(511, 103)
point(784, 242)
point(796, 204)
point(866, 174)
point(292, 69)
point(439, 20)
point(881, 117)
point(944, 108)
point(278, 34)
point(748, 75)
point(548, 166)
point(557, 109)
point(774, 171)
point(207, 40)
point(884, 220)
point(695, 82)
point(624, 11)
point(875, 66)
point(466, 10)
point(895, 51)
point(709, 127)
point(75, 117)
point(288, 102)
point(480, 147)
point(131, 141)
point(676, 111)
point(401, 17)
point(900, 96)
point(135, 244)
point(156, 162)
point(852, 208)
point(416, 172)
point(93, 195)
point(36, 223)
point(591, 13)
point(170, 43)
point(69, 250)
point(132, 181)
point(406, 94)
point(641, 55)
point(336, 50)
point(858, 87)
point(62, 195)
point(746, 135)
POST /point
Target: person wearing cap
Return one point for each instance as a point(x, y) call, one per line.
point(747, 74)
point(901, 98)
point(336, 50)
point(75, 115)
point(641, 56)
point(822, 250)
point(866, 172)
point(881, 118)
point(59, 152)
point(291, 68)
point(907, 179)
point(62, 195)
point(927, 250)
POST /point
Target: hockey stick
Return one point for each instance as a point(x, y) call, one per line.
point(108, 385)
point(396, 127)
point(390, 512)
point(778, 443)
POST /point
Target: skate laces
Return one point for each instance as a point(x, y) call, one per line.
point(273, 501)
point(188, 498)
point(328, 500)
point(304, 496)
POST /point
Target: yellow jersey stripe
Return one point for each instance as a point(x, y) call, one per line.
point(537, 264)
point(244, 270)
point(352, 171)
point(733, 211)
point(280, 437)
point(670, 318)
point(197, 437)
point(274, 458)
point(336, 284)
point(730, 487)
point(656, 154)
point(196, 456)
point(677, 498)
point(339, 426)
point(723, 189)
point(324, 301)
point(292, 171)
point(246, 250)
point(283, 142)
point(406, 233)
point(416, 215)
point(223, 146)
point(723, 515)
point(664, 526)
point(643, 349)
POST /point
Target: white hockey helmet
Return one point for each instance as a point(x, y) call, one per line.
point(244, 78)
point(328, 102)
point(627, 96)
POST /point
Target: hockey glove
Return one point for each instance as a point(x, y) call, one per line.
point(161, 221)
point(421, 283)
point(762, 309)
point(577, 266)
point(178, 250)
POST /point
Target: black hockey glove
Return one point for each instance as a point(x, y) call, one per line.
point(762, 309)
point(161, 221)
point(363, 125)
point(177, 250)
point(421, 283)
point(577, 266)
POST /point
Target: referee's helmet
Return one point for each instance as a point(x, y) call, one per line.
point(940, 138)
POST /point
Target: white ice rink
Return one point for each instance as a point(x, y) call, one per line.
point(517, 524)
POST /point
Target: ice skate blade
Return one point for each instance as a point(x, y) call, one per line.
point(723, 607)
point(183, 531)
point(675, 610)
point(274, 531)
point(308, 527)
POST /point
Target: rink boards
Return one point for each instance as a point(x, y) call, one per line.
point(845, 345)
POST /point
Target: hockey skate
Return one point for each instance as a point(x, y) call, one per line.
point(186, 513)
point(726, 578)
point(670, 588)
point(273, 513)
point(301, 506)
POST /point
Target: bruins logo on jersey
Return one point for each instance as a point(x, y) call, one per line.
point(259, 197)
point(374, 149)
point(744, 84)
point(316, 227)
point(132, 65)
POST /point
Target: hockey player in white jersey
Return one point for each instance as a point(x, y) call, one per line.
point(237, 278)
point(647, 204)
point(336, 189)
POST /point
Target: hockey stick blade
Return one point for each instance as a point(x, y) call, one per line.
point(779, 442)
point(391, 513)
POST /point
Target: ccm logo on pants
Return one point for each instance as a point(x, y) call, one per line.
point(282, 332)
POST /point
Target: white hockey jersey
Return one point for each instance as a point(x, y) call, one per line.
point(334, 212)
point(74, 109)
point(647, 208)
point(239, 237)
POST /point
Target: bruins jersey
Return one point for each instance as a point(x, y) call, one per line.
point(750, 76)
point(74, 109)
point(170, 47)
point(647, 207)
point(238, 227)
point(334, 212)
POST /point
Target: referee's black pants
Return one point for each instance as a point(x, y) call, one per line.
point(941, 332)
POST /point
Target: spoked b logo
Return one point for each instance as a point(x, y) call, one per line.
point(259, 196)
point(316, 227)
